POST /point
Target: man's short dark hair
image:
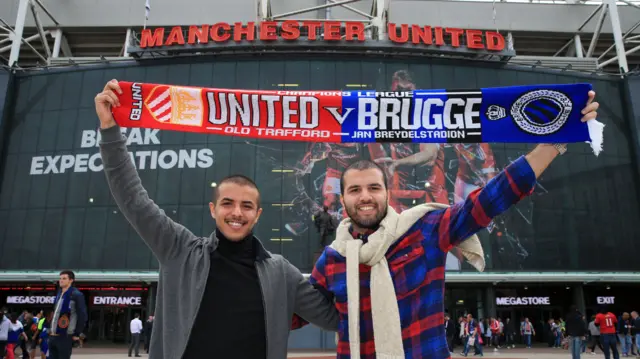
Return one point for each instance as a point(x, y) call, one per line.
point(69, 274)
point(361, 166)
point(240, 180)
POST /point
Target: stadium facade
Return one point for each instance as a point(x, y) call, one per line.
point(574, 241)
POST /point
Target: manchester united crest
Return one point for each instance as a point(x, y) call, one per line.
point(63, 322)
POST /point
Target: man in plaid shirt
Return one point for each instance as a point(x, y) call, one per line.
point(416, 258)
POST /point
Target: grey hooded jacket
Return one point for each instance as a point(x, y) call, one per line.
point(184, 266)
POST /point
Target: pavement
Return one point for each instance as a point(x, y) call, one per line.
point(114, 352)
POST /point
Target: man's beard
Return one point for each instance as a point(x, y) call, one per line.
point(370, 223)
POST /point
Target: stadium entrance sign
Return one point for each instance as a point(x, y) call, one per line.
point(319, 33)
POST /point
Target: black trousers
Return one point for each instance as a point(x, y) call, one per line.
point(60, 346)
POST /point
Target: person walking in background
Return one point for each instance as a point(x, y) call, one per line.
point(624, 333)
point(4, 331)
point(69, 317)
point(148, 329)
point(509, 334)
point(136, 329)
point(326, 226)
point(635, 331)
point(607, 322)
point(450, 329)
point(16, 332)
point(527, 331)
point(576, 330)
point(594, 333)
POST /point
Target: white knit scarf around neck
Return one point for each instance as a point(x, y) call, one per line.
point(384, 304)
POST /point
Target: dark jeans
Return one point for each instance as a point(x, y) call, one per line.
point(595, 340)
point(135, 342)
point(610, 343)
point(60, 347)
point(3, 346)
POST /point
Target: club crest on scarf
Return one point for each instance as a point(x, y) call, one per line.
point(538, 112)
point(176, 105)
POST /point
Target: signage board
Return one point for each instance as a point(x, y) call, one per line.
point(31, 299)
point(326, 33)
point(115, 300)
point(606, 300)
point(523, 301)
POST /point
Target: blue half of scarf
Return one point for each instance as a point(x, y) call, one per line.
point(515, 114)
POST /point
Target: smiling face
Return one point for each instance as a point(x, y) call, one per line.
point(236, 210)
point(364, 197)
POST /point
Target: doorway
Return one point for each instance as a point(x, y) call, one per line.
point(111, 324)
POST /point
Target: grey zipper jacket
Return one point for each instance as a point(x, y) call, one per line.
point(184, 266)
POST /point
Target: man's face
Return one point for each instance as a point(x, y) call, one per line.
point(365, 197)
point(64, 281)
point(236, 210)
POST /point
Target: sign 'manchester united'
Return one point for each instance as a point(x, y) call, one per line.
point(332, 31)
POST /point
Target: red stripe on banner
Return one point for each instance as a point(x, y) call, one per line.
point(277, 115)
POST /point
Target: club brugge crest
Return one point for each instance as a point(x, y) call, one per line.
point(63, 322)
point(541, 112)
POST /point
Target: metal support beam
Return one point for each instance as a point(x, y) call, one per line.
point(313, 8)
point(580, 29)
point(127, 43)
point(596, 32)
point(617, 36)
point(26, 41)
point(380, 13)
point(631, 30)
point(17, 32)
point(614, 59)
point(578, 47)
point(57, 36)
point(43, 36)
point(353, 9)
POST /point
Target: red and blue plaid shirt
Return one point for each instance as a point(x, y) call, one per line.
point(417, 264)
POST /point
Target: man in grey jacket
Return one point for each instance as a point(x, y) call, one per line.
point(222, 295)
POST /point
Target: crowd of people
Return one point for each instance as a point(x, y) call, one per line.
point(612, 334)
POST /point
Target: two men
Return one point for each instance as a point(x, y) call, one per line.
point(224, 294)
point(386, 270)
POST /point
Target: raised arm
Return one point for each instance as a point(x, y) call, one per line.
point(312, 305)
point(319, 282)
point(515, 182)
point(165, 237)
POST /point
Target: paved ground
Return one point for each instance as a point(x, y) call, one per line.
point(546, 353)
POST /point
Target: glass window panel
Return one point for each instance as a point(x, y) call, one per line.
point(29, 142)
point(47, 135)
point(268, 229)
point(269, 171)
point(93, 239)
point(66, 134)
point(73, 90)
point(349, 75)
point(4, 224)
point(72, 237)
point(50, 238)
point(297, 73)
point(169, 178)
point(115, 242)
point(54, 93)
point(191, 218)
point(194, 187)
point(23, 103)
point(243, 159)
point(37, 93)
point(92, 84)
point(8, 176)
point(22, 183)
point(31, 240)
point(323, 75)
point(14, 235)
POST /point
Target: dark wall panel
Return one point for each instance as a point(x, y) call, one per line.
point(56, 207)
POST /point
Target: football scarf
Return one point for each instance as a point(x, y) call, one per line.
point(518, 114)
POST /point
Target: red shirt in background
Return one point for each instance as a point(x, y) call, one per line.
point(607, 323)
